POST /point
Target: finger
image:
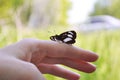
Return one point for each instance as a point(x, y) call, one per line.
point(78, 53)
point(58, 71)
point(75, 64)
point(55, 49)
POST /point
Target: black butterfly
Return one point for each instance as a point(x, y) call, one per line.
point(67, 37)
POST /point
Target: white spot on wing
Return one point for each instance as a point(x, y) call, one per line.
point(70, 36)
point(70, 32)
point(67, 39)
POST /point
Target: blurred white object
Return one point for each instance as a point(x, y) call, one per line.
point(96, 23)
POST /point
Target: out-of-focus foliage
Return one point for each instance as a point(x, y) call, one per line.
point(49, 12)
point(107, 7)
point(65, 5)
point(7, 6)
point(34, 12)
point(8, 11)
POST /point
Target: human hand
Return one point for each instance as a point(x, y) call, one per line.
point(28, 59)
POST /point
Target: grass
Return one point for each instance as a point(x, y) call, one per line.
point(104, 43)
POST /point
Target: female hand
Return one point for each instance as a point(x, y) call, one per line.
point(28, 59)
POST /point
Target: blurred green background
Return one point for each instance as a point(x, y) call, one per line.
point(42, 18)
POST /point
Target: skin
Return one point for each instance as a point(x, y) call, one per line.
point(28, 59)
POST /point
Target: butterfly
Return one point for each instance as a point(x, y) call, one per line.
point(67, 37)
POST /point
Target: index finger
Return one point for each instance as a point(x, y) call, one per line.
point(78, 53)
point(55, 49)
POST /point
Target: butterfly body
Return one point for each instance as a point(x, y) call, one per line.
point(67, 37)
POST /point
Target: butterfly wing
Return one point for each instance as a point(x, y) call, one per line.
point(67, 37)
